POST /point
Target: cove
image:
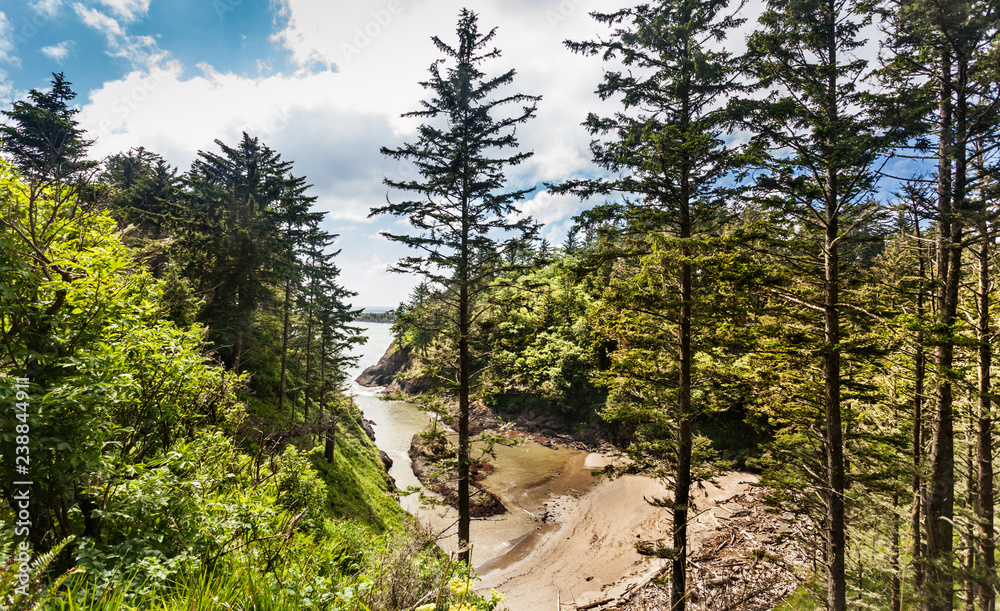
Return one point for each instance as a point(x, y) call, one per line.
point(567, 536)
point(525, 477)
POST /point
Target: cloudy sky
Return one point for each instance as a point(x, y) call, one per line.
point(323, 83)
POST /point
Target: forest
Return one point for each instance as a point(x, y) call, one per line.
point(176, 432)
point(786, 263)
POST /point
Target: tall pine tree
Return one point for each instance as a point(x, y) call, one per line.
point(463, 220)
point(43, 138)
point(948, 48)
point(235, 244)
point(665, 144)
point(819, 146)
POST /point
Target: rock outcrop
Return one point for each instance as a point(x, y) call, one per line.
point(394, 371)
point(381, 373)
point(427, 452)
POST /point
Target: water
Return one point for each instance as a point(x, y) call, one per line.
point(396, 422)
point(525, 476)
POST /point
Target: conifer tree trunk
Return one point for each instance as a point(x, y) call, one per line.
point(896, 598)
point(986, 565)
point(941, 489)
point(284, 348)
point(465, 255)
point(969, 562)
point(682, 481)
point(309, 327)
point(919, 370)
point(234, 364)
point(462, 203)
point(836, 537)
point(322, 372)
point(464, 515)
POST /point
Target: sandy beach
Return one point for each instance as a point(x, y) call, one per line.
point(585, 552)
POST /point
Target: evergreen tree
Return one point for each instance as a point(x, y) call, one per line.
point(461, 206)
point(142, 189)
point(818, 189)
point(143, 193)
point(297, 222)
point(235, 246)
point(948, 49)
point(666, 145)
point(43, 139)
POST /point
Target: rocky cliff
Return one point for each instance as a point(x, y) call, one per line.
point(394, 371)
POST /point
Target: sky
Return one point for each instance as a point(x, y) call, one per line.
point(322, 83)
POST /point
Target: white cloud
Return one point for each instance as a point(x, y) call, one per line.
point(58, 52)
point(47, 8)
point(370, 278)
point(99, 21)
point(331, 122)
point(141, 51)
point(129, 10)
point(308, 118)
point(7, 41)
point(6, 89)
point(384, 47)
point(547, 207)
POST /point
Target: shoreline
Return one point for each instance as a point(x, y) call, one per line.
point(571, 538)
point(588, 554)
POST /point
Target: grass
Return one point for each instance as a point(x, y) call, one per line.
point(364, 553)
point(801, 600)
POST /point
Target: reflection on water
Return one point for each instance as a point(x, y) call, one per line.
point(525, 476)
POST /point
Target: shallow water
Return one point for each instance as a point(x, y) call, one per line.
point(525, 477)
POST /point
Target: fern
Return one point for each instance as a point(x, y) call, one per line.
point(38, 591)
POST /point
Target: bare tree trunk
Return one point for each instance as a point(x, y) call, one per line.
point(919, 372)
point(941, 489)
point(309, 333)
point(682, 480)
point(836, 538)
point(464, 513)
point(331, 444)
point(970, 503)
point(896, 598)
point(986, 566)
point(284, 347)
point(464, 327)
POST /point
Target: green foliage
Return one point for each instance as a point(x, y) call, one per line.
point(42, 138)
point(300, 489)
point(463, 219)
point(540, 342)
point(134, 453)
point(112, 383)
point(36, 590)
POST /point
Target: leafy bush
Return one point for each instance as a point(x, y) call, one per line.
point(300, 489)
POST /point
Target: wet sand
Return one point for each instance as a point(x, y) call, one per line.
point(588, 552)
point(567, 536)
point(525, 477)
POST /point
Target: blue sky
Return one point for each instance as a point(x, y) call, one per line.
point(73, 37)
point(322, 83)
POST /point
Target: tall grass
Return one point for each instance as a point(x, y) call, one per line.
point(348, 568)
